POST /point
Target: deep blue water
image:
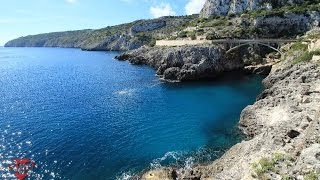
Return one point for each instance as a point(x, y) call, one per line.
point(83, 115)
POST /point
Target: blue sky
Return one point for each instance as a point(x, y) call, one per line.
point(25, 17)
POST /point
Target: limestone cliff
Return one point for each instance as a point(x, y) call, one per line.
point(282, 26)
point(224, 7)
point(183, 63)
point(186, 63)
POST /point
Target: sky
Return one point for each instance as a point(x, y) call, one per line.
point(27, 17)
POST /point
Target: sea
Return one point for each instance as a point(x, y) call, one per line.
point(84, 115)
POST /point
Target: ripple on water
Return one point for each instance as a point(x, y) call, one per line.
point(126, 92)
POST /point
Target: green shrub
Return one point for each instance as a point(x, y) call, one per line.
point(312, 175)
point(317, 52)
point(172, 38)
point(263, 166)
point(278, 157)
point(152, 43)
point(285, 177)
point(304, 57)
point(220, 22)
point(313, 36)
point(192, 35)
point(299, 46)
point(200, 32)
point(266, 165)
point(231, 15)
point(212, 36)
point(182, 34)
point(245, 15)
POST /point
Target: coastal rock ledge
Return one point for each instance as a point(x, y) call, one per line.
point(283, 127)
point(184, 63)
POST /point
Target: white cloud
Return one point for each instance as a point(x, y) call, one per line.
point(71, 1)
point(164, 9)
point(194, 6)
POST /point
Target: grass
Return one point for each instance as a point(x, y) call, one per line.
point(277, 157)
point(285, 177)
point(306, 56)
point(313, 36)
point(265, 165)
point(192, 35)
point(299, 46)
point(212, 36)
point(312, 175)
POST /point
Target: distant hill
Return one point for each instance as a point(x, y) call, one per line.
point(120, 37)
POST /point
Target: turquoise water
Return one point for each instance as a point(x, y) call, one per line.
point(84, 115)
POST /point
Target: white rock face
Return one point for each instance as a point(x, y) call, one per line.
point(224, 7)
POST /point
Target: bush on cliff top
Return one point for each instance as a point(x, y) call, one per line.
point(299, 46)
point(312, 175)
point(306, 56)
point(267, 165)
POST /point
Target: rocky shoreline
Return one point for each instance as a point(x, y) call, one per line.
point(188, 63)
point(283, 125)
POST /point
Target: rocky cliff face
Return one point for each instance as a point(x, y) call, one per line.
point(187, 63)
point(224, 7)
point(284, 130)
point(184, 63)
point(281, 26)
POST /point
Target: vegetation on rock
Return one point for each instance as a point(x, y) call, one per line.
point(272, 165)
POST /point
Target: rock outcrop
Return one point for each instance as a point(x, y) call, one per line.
point(284, 130)
point(224, 7)
point(184, 63)
point(189, 63)
point(281, 26)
